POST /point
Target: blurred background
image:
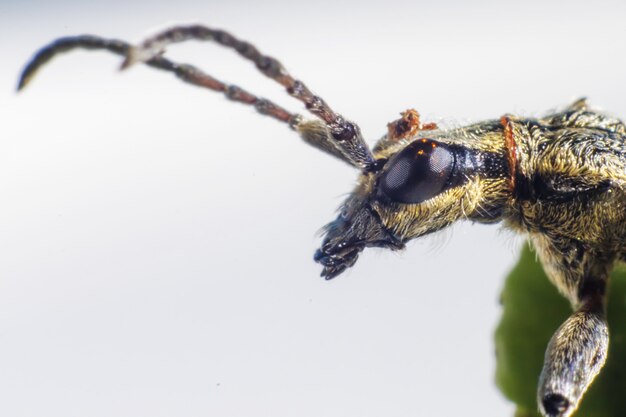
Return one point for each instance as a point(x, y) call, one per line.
point(156, 240)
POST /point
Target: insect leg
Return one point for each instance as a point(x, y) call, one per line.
point(345, 135)
point(576, 353)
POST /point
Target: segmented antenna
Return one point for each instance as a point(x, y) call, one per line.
point(346, 135)
point(185, 72)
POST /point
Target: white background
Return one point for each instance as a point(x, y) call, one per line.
point(156, 240)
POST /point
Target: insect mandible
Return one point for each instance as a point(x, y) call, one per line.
point(559, 179)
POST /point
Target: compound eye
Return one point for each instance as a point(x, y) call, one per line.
point(418, 172)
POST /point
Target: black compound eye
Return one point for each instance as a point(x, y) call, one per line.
point(418, 172)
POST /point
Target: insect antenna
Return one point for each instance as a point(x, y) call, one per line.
point(185, 72)
point(346, 135)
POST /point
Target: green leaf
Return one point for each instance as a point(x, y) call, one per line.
point(532, 311)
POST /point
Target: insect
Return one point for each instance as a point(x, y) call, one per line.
point(559, 179)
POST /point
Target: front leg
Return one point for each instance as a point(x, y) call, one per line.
point(577, 351)
point(575, 355)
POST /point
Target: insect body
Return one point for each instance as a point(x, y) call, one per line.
point(559, 179)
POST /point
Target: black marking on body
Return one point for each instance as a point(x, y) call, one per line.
point(556, 189)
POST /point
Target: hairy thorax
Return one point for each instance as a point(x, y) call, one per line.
point(569, 193)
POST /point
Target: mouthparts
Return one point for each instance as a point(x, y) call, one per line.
point(356, 228)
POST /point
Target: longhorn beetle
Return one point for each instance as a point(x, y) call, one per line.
point(559, 179)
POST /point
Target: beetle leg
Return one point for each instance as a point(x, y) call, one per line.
point(574, 357)
point(578, 349)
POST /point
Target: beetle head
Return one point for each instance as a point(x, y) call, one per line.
point(419, 186)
